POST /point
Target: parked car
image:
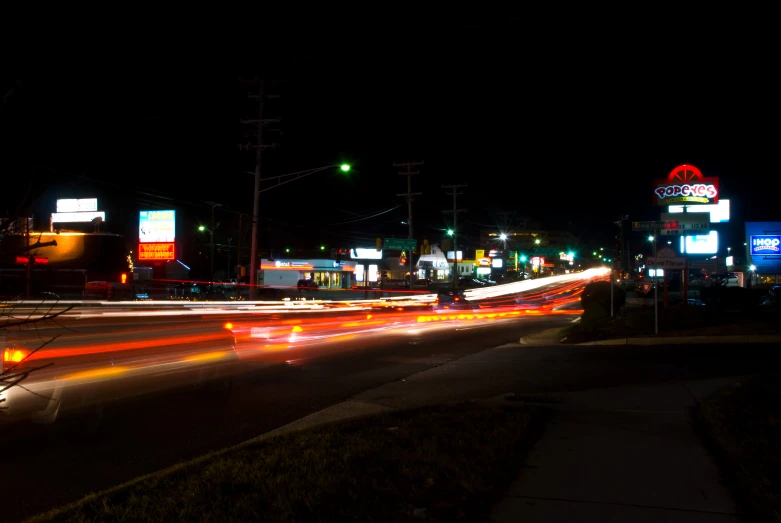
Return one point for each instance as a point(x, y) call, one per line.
point(306, 285)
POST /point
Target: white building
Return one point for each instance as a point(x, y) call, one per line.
point(433, 266)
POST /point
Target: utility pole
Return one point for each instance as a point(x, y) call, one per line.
point(253, 260)
point(259, 146)
point(409, 195)
point(212, 226)
point(504, 216)
point(455, 211)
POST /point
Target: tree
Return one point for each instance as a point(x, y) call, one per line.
point(17, 315)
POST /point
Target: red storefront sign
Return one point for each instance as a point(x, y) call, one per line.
point(156, 251)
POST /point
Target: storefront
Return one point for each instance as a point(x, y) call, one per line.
point(763, 244)
point(327, 274)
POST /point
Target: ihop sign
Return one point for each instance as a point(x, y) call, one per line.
point(764, 245)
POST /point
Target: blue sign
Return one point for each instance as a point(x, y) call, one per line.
point(765, 245)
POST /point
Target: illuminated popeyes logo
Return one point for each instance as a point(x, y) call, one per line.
point(686, 184)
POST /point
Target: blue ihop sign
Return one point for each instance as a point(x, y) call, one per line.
point(765, 245)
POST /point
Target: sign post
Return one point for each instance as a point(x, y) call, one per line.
point(656, 226)
point(403, 244)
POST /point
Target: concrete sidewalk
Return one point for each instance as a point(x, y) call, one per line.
point(551, 337)
point(621, 455)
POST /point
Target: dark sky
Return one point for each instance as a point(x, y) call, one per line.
point(568, 133)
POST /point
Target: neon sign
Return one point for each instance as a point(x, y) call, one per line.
point(156, 251)
point(762, 245)
point(686, 184)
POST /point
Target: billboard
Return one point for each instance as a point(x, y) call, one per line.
point(685, 184)
point(157, 226)
point(765, 245)
point(365, 254)
point(77, 205)
point(77, 217)
point(156, 251)
point(700, 244)
point(719, 212)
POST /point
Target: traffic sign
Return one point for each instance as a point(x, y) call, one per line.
point(646, 287)
point(400, 244)
point(687, 228)
point(655, 225)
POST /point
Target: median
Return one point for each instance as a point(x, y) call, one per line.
point(742, 426)
point(443, 463)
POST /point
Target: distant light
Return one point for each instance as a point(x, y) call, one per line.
point(650, 238)
point(322, 247)
point(503, 236)
point(345, 168)
point(287, 250)
point(537, 241)
point(450, 232)
point(753, 268)
point(201, 228)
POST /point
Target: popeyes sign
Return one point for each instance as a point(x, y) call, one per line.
point(685, 184)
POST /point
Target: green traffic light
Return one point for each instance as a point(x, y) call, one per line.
point(287, 250)
point(537, 241)
point(201, 228)
point(322, 247)
point(450, 232)
point(523, 258)
point(345, 167)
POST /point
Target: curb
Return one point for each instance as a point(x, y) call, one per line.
point(690, 340)
point(546, 337)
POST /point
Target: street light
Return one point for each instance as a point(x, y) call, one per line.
point(503, 236)
point(536, 241)
point(281, 180)
point(211, 251)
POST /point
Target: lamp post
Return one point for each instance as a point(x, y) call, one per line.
point(211, 251)
point(281, 180)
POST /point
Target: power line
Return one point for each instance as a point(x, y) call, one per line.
point(366, 217)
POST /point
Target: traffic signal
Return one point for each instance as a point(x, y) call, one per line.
point(339, 256)
point(426, 249)
point(378, 244)
point(403, 258)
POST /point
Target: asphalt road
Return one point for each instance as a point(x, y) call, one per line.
point(111, 430)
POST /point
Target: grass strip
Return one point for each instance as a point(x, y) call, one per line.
point(741, 424)
point(444, 463)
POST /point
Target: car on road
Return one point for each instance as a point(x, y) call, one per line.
point(451, 298)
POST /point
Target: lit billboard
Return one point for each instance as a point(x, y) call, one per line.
point(719, 212)
point(686, 184)
point(156, 251)
point(77, 205)
point(765, 245)
point(700, 244)
point(77, 217)
point(365, 254)
point(157, 227)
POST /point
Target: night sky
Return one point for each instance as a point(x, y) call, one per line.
point(571, 136)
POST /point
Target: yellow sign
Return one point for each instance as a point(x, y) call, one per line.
point(480, 253)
